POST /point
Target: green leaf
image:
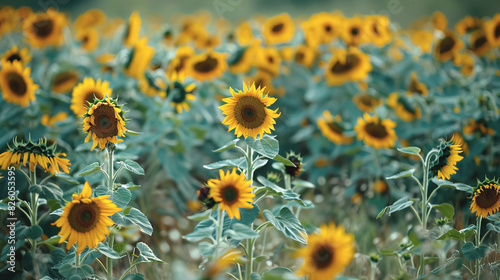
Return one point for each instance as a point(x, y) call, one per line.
point(229, 145)
point(461, 235)
point(200, 216)
point(131, 132)
point(131, 186)
point(83, 271)
point(136, 217)
point(32, 232)
point(410, 150)
point(200, 232)
point(413, 237)
point(283, 160)
point(241, 231)
point(134, 276)
point(4, 206)
point(494, 227)
point(49, 192)
point(239, 162)
point(206, 248)
point(303, 184)
point(101, 190)
point(67, 178)
point(446, 209)
point(108, 252)
point(400, 204)
point(267, 146)
point(132, 166)
point(402, 174)
point(288, 224)
point(91, 168)
point(472, 252)
point(121, 197)
point(458, 186)
point(452, 264)
point(147, 253)
point(255, 276)
point(428, 260)
point(381, 213)
point(279, 273)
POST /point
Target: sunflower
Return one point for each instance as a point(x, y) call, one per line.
point(16, 85)
point(327, 26)
point(247, 113)
point(243, 59)
point(47, 120)
point(177, 66)
point(86, 219)
point(244, 34)
point(7, 22)
point(262, 79)
point(153, 86)
point(327, 253)
point(207, 41)
point(376, 133)
point(139, 59)
point(380, 186)
point(439, 21)
point(132, 31)
point(206, 66)
point(232, 192)
point(492, 29)
point(104, 121)
point(65, 81)
point(333, 129)
point(278, 29)
point(24, 12)
point(366, 102)
point(85, 93)
point(377, 29)
point(222, 263)
point(486, 198)
point(416, 87)
point(14, 54)
point(305, 55)
point(467, 63)
point(479, 43)
point(268, 59)
point(422, 39)
point(447, 47)
point(468, 24)
point(89, 38)
point(347, 66)
point(45, 29)
point(444, 164)
point(404, 110)
point(312, 33)
point(90, 19)
point(353, 32)
point(296, 159)
point(479, 127)
point(37, 154)
point(181, 94)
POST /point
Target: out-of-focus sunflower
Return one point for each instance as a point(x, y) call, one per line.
point(366, 102)
point(353, 32)
point(153, 86)
point(104, 121)
point(328, 26)
point(90, 19)
point(39, 153)
point(85, 93)
point(479, 127)
point(7, 21)
point(243, 59)
point(468, 25)
point(467, 63)
point(268, 59)
point(278, 29)
point(380, 186)
point(444, 165)
point(347, 66)
point(111, 26)
point(132, 31)
point(416, 87)
point(177, 65)
point(262, 79)
point(14, 54)
point(139, 60)
point(333, 129)
point(89, 38)
point(486, 198)
point(296, 159)
point(492, 29)
point(85, 220)
point(223, 263)
point(403, 108)
point(423, 39)
point(43, 29)
point(327, 253)
point(65, 81)
point(448, 46)
point(244, 34)
point(49, 121)
point(247, 113)
point(375, 132)
point(479, 43)
point(305, 55)
point(181, 94)
point(206, 66)
point(16, 84)
point(232, 192)
point(439, 20)
point(23, 12)
point(377, 29)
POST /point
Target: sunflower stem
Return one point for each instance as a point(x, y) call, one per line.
point(109, 261)
point(250, 245)
point(249, 156)
point(111, 177)
point(288, 182)
point(478, 243)
point(220, 225)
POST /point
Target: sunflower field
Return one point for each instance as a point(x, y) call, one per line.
point(316, 146)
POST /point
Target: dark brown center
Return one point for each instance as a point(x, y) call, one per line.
point(83, 217)
point(277, 28)
point(487, 197)
point(446, 44)
point(106, 123)
point(16, 84)
point(376, 130)
point(479, 42)
point(355, 31)
point(497, 31)
point(207, 65)
point(229, 194)
point(323, 256)
point(13, 57)
point(250, 112)
point(335, 127)
point(351, 62)
point(43, 28)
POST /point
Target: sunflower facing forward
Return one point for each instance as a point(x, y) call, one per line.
point(279, 29)
point(104, 121)
point(15, 54)
point(232, 192)
point(448, 156)
point(347, 65)
point(86, 219)
point(206, 66)
point(16, 85)
point(376, 133)
point(486, 198)
point(45, 29)
point(327, 254)
point(84, 93)
point(247, 113)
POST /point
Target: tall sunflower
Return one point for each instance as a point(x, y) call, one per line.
point(85, 220)
point(244, 34)
point(132, 31)
point(327, 253)
point(16, 84)
point(247, 113)
point(376, 133)
point(45, 29)
point(366, 102)
point(104, 121)
point(327, 26)
point(65, 81)
point(333, 129)
point(305, 55)
point(268, 59)
point(278, 29)
point(492, 29)
point(232, 192)
point(139, 59)
point(181, 94)
point(448, 46)
point(206, 66)
point(84, 94)
point(347, 66)
point(177, 66)
point(486, 198)
point(14, 54)
point(444, 165)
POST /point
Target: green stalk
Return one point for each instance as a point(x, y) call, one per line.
point(250, 242)
point(109, 261)
point(111, 148)
point(250, 245)
point(219, 229)
point(34, 208)
point(478, 243)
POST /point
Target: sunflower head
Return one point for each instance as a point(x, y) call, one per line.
point(203, 197)
point(224, 262)
point(492, 29)
point(448, 46)
point(16, 84)
point(139, 59)
point(296, 159)
point(43, 29)
point(333, 128)
point(279, 29)
point(86, 92)
point(347, 66)
point(65, 81)
point(444, 164)
point(375, 132)
point(232, 192)
point(14, 54)
point(486, 198)
point(104, 121)
point(247, 113)
point(132, 30)
point(206, 66)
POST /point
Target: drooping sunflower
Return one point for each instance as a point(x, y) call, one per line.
point(90, 19)
point(43, 29)
point(347, 66)
point(85, 93)
point(377, 29)
point(296, 159)
point(486, 198)
point(247, 113)
point(448, 46)
point(305, 55)
point(139, 59)
point(268, 59)
point(278, 29)
point(403, 108)
point(423, 39)
point(327, 253)
point(353, 32)
point(14, 54)
point(492, 30)
point(39, 153)
point(16, 84)
point(333, 129)
point(206, 66)
point(232, 192)
point(468, 25)
point(479, 43)
point(132, 30)
point(89, 38)
point(181, 94)
point(104, 121)
point(85, 220)
point(444, 165)
point(375, 132)
point(244, 34)
point(416, 87)
point(366, 102)
point(177, 66)
point(65, 81)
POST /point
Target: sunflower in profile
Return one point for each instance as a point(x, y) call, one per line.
point(65, 81)
point(90, 19)
point(268, 59)
point(132, 31)
point(333, 129)
point(45, 29)
point(479, 127)
point(353, 32)
point(439, 21)
point(327, 253)
point(206, 66)
point(347, 66)
point(181, 94)
point(377, 29)
point(416, 87)
point(448, 46)
point(403, 108)
point(486, 198)
point(139, 59)
point(492, 29)
point(296, 159)
point(49, 121)
point(243, 59)
point(468, 25)
point(153, 86)
point(445, 164)
point(305, 55)
point(366, 102)
point(232, 192)
point(85, 93)
point(478, 43)
point(422, 39)
point(223, 263)
point(85, 220)
point(278, 29)
point(104, 121)
point(247, 113)
point(177, 66)
point(375, 132)
point(14, 54)
point(89, 39)
point(16, 84)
